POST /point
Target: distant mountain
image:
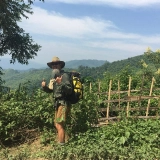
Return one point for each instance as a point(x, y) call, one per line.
point(5, 64)
point(14, 77)
point(87, 68)
point(89, 63)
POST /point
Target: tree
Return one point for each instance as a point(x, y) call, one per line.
point(13, 39)
point(154, 57)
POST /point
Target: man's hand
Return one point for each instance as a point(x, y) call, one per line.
point(58, 79)
point(43, 83)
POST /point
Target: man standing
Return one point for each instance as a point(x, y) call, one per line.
point(61, 88)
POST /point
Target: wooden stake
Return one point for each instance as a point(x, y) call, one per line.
point(129, 92)
point(147, 110)
point(99, 88)
point(119, 96)
point(139, 102)
point(90, 87)
point(109, 97)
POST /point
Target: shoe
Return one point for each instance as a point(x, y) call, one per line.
point(61, 143)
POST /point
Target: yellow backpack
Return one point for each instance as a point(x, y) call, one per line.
point(77, 87)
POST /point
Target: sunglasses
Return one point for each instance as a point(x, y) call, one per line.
point(56, 64)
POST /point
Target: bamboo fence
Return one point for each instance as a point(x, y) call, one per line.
point(117, 105)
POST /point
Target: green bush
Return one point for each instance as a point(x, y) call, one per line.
point(131, 139)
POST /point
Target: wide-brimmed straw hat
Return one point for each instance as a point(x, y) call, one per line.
point(56, 60)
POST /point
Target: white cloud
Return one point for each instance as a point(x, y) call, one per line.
point(55, 24)
point(119, 45)
point(117, 3)
point(83, 37)
point(69, 51)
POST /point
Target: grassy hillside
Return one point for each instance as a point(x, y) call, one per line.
point(13, 77)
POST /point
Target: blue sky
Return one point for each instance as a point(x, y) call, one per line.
point(94, 29)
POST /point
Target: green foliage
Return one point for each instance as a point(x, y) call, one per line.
point(83, 115)
point(14, 40)
point(23, 154)
point(90, 63)
point(23, 110)
point(153, 56)
point(26, 109)
point(91, 74)
point(13, 78)
point(133, 139)
point(1, 80)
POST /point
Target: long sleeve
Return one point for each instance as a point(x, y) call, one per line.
point(66, 84)
point(64, 88)
point(46, 89)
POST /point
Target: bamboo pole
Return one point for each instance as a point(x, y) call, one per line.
point(141, 117)
point(141, 89)
point(149, 100)
point(157, 113)
point(134, 90)
point(131, 109)
point(109, 97)
point(99, 88)
point(119, 96)
point(90, 87)
point(129, 93)
point(131, 99)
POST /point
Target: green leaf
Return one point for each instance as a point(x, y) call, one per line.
point(1, 123)
point(127, 134)
point(122, 140)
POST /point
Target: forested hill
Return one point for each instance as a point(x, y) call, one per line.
point(13, 77)
point(115, 67)
point(133, 63)
point(90, 63)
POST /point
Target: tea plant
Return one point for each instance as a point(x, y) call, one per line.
point(26, 114)
point(131, 139)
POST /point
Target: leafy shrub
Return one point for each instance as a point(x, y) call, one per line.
point(132, 139)
point(22, 113)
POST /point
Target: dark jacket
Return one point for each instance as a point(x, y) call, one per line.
point(60, 90)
